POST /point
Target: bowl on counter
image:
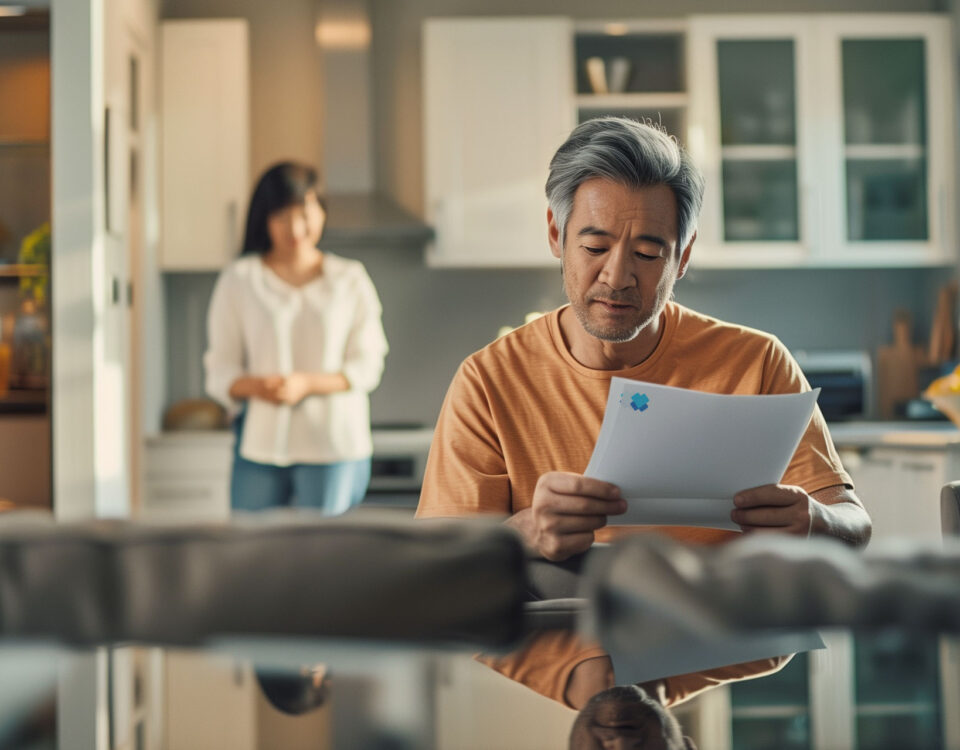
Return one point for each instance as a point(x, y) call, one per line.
point(195, 414)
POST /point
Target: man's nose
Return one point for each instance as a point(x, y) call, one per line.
point(617, 271)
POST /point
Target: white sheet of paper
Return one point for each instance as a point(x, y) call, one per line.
point(679, 456)
point(682, 654)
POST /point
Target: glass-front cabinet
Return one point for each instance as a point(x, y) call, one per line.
point(825, 139)
point(881, 690)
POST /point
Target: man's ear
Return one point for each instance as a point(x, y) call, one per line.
point(553, 234)
point(685, 257)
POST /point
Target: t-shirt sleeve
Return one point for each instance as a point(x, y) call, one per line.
point(815, 464)
point(466, 473)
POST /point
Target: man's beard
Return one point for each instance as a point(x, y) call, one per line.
point(612, 335)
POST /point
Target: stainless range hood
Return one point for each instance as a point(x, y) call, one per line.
point(359, 216)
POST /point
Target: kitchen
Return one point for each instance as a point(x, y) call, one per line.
point(436, 312)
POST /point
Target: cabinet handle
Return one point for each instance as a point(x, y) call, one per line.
point(918, 466)
point(942, 217)
point(868, 459)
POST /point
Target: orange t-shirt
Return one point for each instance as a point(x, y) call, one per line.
point(523, 406)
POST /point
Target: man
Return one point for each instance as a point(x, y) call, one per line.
point(521, 417)
point(626, 717)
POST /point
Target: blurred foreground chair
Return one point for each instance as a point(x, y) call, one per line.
point(375, 596)
point(766, 583)
point(360, 578)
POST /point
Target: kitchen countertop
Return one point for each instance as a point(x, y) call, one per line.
point(24, 401)
point(845, 435)
point(895, 434)
point(384, 440)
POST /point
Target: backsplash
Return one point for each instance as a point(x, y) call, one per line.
point(435, 317)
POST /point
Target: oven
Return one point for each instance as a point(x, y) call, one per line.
point(399, 459)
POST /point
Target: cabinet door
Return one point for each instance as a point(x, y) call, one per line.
point(900, 488)
point(205, 142)
point(210, 702)
point(888, 92)
point(750, 134)
point(498, 102)
point(826, 140)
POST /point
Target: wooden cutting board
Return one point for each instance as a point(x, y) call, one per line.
point(943, 340)
point(898, 368)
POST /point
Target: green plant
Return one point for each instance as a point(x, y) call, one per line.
point(35, 250)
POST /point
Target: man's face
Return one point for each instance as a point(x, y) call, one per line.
point(620, 256)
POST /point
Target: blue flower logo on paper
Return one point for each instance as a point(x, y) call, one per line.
point(639, 402)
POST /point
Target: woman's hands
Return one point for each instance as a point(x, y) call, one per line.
point(287, 389)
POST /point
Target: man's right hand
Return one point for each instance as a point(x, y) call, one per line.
point(567, 508)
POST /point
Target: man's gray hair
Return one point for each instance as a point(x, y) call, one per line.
point(631, 153)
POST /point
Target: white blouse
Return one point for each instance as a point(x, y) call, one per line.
point(258, 324)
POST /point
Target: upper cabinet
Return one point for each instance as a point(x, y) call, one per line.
point(825, 140)
point(498, 101)
point(205, 142)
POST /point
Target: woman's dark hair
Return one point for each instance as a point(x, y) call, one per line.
point(282, 185)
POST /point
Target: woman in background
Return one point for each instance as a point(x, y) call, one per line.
point(295, 345)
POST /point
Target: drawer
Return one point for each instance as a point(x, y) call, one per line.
point(183, 458)
point(193, 500)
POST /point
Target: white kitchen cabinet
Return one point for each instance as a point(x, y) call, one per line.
point(187, 476)
point(498, 101)
point(900, 486)
point(825, 140)
point(205, 142)
point(210, 702)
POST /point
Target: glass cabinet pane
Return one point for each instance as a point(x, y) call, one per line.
point(757, 97)
point(897, 691)
point(883, 91)
point(758, 140)
point(789, 686)
point(917, 732)
point(773, 711)
point(885, 139)
point(761, 734)
point(886, 199)
point(760, 200)
point(897, 669)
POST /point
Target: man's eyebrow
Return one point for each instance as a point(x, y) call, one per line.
point(597, 232)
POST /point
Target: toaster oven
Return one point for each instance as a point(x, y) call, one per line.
point(845, 379)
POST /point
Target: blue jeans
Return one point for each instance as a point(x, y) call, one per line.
point(333, 488)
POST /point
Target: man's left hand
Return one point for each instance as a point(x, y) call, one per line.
point(774, 507)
